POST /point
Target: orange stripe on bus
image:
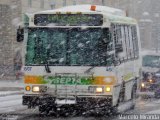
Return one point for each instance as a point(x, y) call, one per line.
point(34, 79)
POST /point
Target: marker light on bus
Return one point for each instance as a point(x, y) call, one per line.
point(93, 8)
point(36, 89)
point(108, 89)
point(68, 12)
point(28, 88)
point(142, 85)
point(79, 12)
point(58, 13)
point(99, 90)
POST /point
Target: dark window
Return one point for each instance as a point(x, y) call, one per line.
point(124, 54)
point(68, 19)
point(126, 42)
point(151, 61)
point(76, 46)
point(135, 41)
point(131, 43)
point(117, 36)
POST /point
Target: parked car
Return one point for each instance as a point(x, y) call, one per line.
point(149, 84)
point(157, 89)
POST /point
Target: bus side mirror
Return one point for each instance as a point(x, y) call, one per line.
point(20, 34)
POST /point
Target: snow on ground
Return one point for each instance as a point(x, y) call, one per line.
point(6, 93)
point(146, 93)
point(154, 112)
point(10, 98)
point(11, 104)
point(157, 102)
point(125, 106)
point(153, 103)
point(11, 87)
point(11, 83)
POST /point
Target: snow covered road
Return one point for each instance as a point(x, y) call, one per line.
point(11, 107)
point(11, 103)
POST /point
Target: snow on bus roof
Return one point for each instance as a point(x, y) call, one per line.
point(86, 8)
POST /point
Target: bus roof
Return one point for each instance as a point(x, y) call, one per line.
point(86, 8)
point(120, 19)
point(112, 15)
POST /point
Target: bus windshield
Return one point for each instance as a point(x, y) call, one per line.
point(74, 46)
point(151, 61)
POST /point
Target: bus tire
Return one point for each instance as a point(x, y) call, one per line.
point(133, 97)
point(115, 110)
point(46, 110)
point(121, 94)
point(42, 110)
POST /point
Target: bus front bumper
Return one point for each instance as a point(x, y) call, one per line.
point(34, 100)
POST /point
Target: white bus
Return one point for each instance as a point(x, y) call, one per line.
point(80, 56)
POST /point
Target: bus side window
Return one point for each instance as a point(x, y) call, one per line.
point(127, 41)
point(131, 49)
point(135, 41)
point(128, 44)
point(117, 35)
point(118, 42)
point(123, 37)
point(107, 39)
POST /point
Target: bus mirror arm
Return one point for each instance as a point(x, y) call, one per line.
point(47, 68)
point(20, 34)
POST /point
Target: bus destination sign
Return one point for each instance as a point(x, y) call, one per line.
point(68, 19)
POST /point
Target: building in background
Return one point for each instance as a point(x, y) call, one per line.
point(145, 11)
point(11, 12)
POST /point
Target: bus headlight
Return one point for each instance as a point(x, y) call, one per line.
point(99, 90)
point(142, 85)
point(36, 89)
point(108, 89)
point(95, 89)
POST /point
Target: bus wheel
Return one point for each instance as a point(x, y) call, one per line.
point(42, 110)
point(47, 110)
point(114, 110)
point(121, 96)
point(133, 97)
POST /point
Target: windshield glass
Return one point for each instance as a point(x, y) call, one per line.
point(61, 46)
point(151, 61)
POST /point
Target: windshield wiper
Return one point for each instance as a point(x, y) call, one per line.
point(47, 68)
point(89, 69)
